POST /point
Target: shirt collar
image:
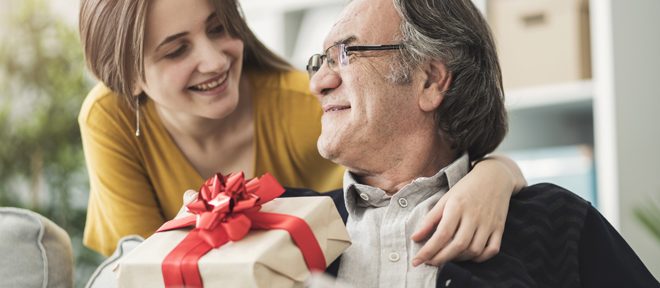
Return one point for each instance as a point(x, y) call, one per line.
point(361, 195)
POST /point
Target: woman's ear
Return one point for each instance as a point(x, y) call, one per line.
point(137, 89)
point(437, 82)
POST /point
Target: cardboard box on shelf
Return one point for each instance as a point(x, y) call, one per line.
point(541, 42)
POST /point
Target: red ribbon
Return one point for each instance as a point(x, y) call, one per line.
point(225, 210)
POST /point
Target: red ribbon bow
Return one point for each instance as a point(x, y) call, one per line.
point(226, 208)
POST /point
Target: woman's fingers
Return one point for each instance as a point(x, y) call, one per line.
point(476, 247)
point(457, 245)
point(189, 196)
point(442, 234)
point(430, 222)
point(492, 248)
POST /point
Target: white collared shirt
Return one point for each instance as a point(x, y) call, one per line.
point(380, 227)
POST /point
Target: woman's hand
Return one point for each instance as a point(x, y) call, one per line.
point(468, 221)
point(188, 197)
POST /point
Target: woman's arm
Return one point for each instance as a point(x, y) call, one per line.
point(467, 223)
point(121, 199)
point(507, 165)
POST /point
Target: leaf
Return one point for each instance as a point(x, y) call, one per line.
point(649, 216)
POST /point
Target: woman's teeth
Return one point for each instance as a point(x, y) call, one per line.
point(210, 85)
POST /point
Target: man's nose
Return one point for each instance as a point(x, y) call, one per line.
point(211, 57)
point(324, 81)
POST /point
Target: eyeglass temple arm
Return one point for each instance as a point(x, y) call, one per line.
point(373, 47)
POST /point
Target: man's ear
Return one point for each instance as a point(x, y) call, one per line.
point(436, 84)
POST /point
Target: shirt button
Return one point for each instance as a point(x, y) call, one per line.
point(394, 257)
point(403, 202)
point(447, 282)
point(364, 196)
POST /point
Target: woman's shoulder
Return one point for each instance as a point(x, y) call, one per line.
point(285, 95)
point(102, 104)
point(294, 83)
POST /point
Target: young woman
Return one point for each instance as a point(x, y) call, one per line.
point(188, 91)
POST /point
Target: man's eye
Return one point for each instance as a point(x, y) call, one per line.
point(178, 52)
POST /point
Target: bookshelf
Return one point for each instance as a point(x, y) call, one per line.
point(615, 112)
point(571, 93)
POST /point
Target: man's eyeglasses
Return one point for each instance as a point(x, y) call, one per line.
point(339, 53)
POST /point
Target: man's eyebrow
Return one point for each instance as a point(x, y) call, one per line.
point(347, 40)
point(171, 38)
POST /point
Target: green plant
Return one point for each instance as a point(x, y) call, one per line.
point(649, 216)
point(42, 85)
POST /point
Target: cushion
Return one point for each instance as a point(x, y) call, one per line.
point(104, 276)
point(35, 251)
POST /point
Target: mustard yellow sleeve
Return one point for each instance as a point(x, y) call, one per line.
point(121, 200)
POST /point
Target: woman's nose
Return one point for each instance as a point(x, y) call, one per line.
point(211, 57)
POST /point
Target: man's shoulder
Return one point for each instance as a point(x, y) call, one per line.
point(549, 196)
point(540, 242)
point(546, 210)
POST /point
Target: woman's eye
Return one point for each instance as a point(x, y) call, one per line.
point(217, 30)
point(176, 53)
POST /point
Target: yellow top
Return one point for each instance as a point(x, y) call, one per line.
point(137, 183)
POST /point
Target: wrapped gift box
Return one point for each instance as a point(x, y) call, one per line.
point(264, 258)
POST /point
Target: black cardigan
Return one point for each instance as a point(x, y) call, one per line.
point(552, 238)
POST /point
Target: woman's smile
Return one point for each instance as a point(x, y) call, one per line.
point(213, 86)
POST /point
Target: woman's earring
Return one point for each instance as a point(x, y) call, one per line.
point(137, 116)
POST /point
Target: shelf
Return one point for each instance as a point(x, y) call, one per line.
point(550, 115)
point(577, 92)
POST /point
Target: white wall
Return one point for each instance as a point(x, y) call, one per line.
point(294, 33)
point(632, 109)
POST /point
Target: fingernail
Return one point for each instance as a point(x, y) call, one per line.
point(416, 262)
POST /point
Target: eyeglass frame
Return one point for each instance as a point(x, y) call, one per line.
point(316, 61)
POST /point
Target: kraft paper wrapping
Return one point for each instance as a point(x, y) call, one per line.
point(264, 258)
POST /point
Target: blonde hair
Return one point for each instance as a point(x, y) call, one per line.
point(112, 37)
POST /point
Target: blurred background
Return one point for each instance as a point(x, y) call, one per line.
point(580, 79)
point(42, 85)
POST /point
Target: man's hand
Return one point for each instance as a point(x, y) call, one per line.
point(468, 222)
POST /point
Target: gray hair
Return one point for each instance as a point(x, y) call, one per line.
point(472, 115)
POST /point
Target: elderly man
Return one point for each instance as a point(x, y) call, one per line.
point(412, 92)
